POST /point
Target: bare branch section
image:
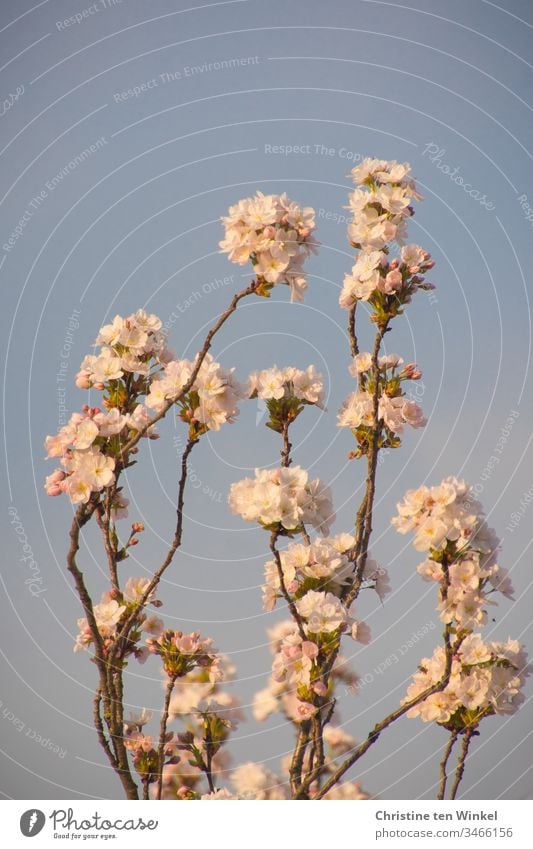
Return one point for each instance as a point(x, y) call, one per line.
point(444, 764)
point(163, 732)
point(459, 772)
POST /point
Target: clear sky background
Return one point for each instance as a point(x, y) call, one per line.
point(137, 225)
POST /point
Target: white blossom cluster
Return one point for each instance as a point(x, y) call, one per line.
point(111, 610)
point(212, 399)
point(486, 678)
point(277, 384)
point(321, 565)
point(274, 233)
point(395, 409)
point(133, 363)
point(128, 346)
point(283, 498)
point(381, 207)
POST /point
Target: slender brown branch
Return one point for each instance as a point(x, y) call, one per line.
point(163, 732)
point(286, 450)
point(295, 769)
point(354, 346)
point(132, 619)
point(98, 724)
point(444, 763)
point(82, 516)
point(104, 523)
point(132, 442)
point(286, 595)
point(365, 513)
point(469, 733)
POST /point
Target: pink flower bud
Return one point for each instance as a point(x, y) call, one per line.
point(83, 380)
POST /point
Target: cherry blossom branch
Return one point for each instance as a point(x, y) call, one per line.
point(444, 763)
point(364, 516)
point(286, 450)
point(132, 442)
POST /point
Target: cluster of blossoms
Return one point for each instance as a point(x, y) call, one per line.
point(194, 670)
point(381, 207)
point(287, 384)
point(113, 608)
point(82, 445)
point(324, 565)
point(211, 400)
point(293, 686)
point(133, 362)
point(180, 653)
point(486, 678)
point(395, 409)
point(90, 442)
point(449, 524)
point(283, 499)
point(274, 233)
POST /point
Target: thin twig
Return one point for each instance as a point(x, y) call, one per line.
point(132, 442)
point(469, 733)
point(354, 347)
point(103, 519)
point(132, 619)
point(286, 450)
point(444, 764)
point(163, 732)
